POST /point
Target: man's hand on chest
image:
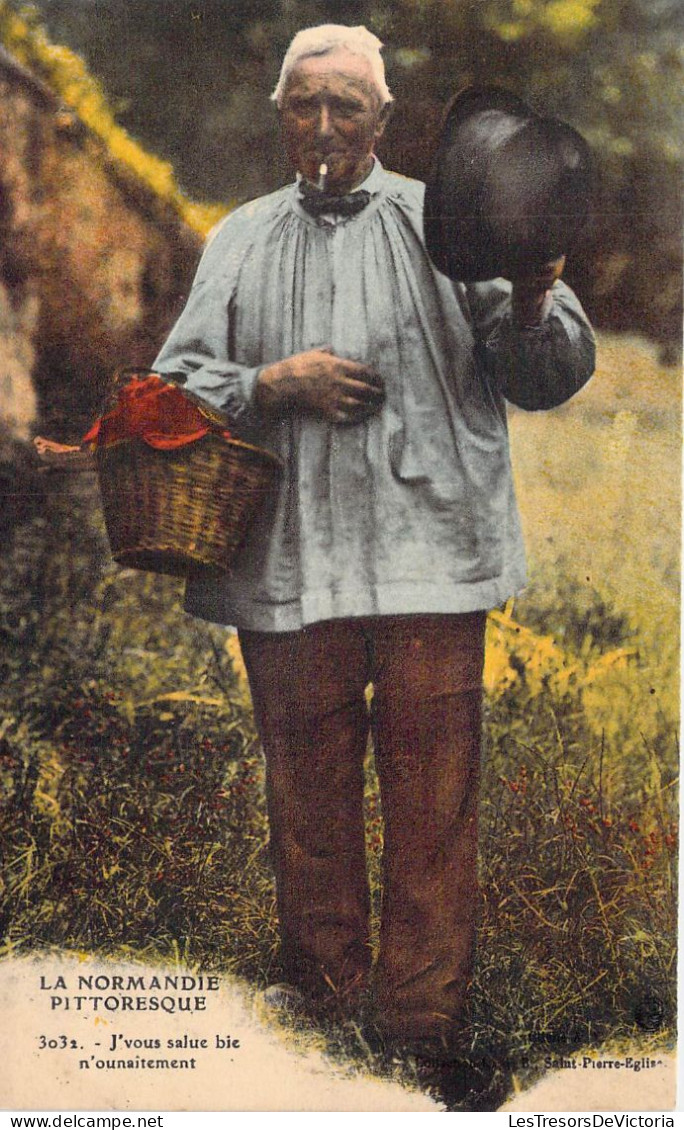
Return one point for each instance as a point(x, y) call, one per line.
point(318, 382)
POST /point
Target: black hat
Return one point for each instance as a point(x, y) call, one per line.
point(510, 190)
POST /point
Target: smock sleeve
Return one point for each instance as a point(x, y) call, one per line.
point(534, 368)
point(199, 348)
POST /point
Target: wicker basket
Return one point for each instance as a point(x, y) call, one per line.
point(166, 511)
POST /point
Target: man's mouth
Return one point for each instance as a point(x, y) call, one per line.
point(323, 153)
point(315, 159)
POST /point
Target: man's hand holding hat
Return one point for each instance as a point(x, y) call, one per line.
point(531, 293)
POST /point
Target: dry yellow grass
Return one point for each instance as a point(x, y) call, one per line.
point(599, 483)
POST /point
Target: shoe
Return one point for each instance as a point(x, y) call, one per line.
point(285, 998)
point(472, 1082)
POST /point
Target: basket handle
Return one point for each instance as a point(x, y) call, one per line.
point(121, 376)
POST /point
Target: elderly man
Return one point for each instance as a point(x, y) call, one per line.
point(319, 326)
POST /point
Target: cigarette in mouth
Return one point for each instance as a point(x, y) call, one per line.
point(322, 174)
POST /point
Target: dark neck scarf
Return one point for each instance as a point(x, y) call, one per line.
point(318, 203)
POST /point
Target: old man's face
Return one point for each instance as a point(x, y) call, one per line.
point(332, 112)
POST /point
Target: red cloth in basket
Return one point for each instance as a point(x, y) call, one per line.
point(156, 412)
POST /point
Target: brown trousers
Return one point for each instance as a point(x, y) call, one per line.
point(308, 693)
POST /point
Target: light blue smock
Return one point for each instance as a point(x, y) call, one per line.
point(413, 510)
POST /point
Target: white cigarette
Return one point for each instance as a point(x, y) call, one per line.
point(322, 174)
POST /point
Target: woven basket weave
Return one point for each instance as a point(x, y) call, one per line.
point(166, 511)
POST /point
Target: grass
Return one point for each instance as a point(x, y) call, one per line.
point(132, 815)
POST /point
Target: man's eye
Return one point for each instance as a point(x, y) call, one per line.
point(302, 107)
point(347, 109)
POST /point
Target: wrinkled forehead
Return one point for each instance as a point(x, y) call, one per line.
point(339, 70)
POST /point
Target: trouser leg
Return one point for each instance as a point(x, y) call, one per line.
point(427, 673)
point(308, 694)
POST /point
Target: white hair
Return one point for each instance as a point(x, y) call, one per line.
point(331, 37)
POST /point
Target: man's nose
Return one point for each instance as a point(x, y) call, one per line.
point(325, 124)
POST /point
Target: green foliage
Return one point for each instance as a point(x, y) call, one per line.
point(111, 827)
point(127, 783)
point(578, 878)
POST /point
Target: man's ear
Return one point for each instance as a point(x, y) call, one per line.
point(383, 118)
